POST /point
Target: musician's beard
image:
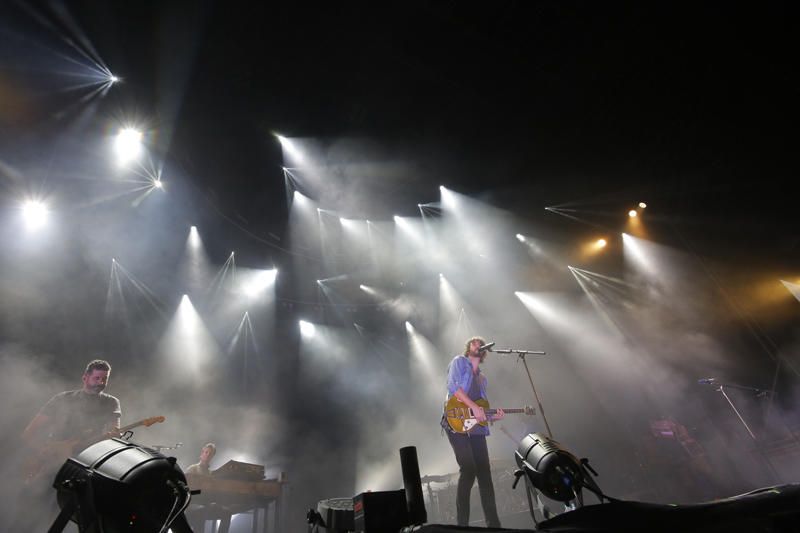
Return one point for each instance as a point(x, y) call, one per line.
point(97, 389)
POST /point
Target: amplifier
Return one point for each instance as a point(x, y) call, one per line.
point(378, 512)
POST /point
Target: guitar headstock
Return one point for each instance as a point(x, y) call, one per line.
point(529, 410)
point(147, 422)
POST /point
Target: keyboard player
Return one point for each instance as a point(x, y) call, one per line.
point(206, 455)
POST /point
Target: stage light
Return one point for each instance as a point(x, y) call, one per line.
point(194, 242)
point(553, 470)
point(116, 485)
point(642, 205)
point(259, 281)
point(632, 213)
point(157, 184)
point(290, 149)
point(520, 237)
point(128, 145)
point(601, 243)
point(307, 329)
point(409, 327)
point(445, 197)
point(113, 79)
point(34, 213)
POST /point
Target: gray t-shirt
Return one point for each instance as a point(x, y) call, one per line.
point(78, 415)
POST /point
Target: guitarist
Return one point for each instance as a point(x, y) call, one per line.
point(466, 382)
point(70, 417)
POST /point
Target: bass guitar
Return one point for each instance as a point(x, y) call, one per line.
point(55, 452)
point(461, 419)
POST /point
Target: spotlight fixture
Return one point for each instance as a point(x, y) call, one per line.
point(116, 485)
point(553, 470)
point(520, 237)
point(642, 205)
point(601, 243)
point(157, 184)
point(632, 213)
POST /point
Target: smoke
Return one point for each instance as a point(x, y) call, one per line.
point(626, 337)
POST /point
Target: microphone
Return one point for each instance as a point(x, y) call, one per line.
point(486, 347)
point(706, 381)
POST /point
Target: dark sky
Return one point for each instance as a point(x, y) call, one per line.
point(688, 105)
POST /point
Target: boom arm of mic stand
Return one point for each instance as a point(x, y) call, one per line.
point(743, 387)
point(521, 354)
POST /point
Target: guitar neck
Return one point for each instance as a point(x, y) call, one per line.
point(144, 422)
point(129, 427)
point(511, 411)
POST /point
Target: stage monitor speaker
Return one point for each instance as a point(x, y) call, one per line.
point(336, 514)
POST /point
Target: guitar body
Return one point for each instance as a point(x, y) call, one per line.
point(461, 419)
point(48, 459)
point(52, 455)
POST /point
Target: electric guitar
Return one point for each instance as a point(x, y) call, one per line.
point(55, 452)
point(461, 419)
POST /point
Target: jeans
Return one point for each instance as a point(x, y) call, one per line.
point(472, 457)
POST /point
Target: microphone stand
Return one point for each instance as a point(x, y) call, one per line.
point(759, 393)
point(521, 356)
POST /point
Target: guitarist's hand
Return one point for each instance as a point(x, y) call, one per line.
point(478, 413)
point(498, 415)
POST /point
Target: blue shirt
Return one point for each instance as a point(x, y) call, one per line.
point(459, 374)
